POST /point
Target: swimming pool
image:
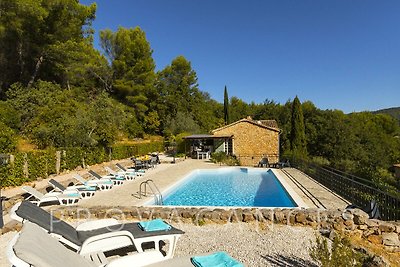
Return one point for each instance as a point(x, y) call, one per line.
point(239, 187)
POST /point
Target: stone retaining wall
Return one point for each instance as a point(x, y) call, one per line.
point(354, 221)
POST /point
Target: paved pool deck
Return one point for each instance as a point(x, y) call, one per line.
point(165, 175)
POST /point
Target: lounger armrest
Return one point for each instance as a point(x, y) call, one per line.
point(106, 242)
point(95, 224)
point(172, 239)
point(13, 213)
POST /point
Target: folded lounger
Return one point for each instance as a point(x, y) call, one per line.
point(140, 172)
point(98, 235)
point(103, 184)
point(52, 198)
point(33, 247)
point(83, 190)
point(117, 180)
point(126, 175)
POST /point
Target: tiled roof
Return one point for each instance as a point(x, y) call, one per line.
point(268, 124)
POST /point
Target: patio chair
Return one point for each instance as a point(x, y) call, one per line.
point(103, 184)
point(283, 164)
point(137, 172)
point(140, 165)
point(372, 209)
point(104, 235)
point(117, 180)
point(50, 198)
point(153, 162)
point(33, 247)
point(263, 163)
point(127, 175)
point(83, 190)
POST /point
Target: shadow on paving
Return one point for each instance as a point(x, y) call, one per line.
point(280, 260)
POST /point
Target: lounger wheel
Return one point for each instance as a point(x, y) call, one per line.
point(105, 187)
point(87, 194)
point(69, 201)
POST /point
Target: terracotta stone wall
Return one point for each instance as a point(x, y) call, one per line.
point(251, 142)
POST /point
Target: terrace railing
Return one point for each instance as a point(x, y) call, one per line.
point(357, 190)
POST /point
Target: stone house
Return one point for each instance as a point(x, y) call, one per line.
point(250, 140)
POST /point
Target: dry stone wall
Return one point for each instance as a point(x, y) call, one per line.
point(355, 221)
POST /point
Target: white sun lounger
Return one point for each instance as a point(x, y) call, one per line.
point(140, 172)
point(83, 190)
point(103, 184)
point(50, 198)
point(129, 176)
point(33, 247)
point(117, 180)
point(98, 235)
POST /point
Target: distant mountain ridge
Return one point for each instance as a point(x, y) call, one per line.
point(395, 112)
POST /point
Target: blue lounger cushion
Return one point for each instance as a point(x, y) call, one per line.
point(73, 195)
point(218, 259)
point(154, 225)
point(87, 188)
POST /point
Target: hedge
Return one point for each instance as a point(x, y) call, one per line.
point(31, 166)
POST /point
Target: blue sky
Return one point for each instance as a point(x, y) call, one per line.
point(338, 54)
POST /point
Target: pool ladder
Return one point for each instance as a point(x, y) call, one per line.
point(158, 199)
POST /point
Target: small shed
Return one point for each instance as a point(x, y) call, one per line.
point(247, 139)
point(252, 140)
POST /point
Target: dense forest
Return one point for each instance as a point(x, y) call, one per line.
point(57, 90)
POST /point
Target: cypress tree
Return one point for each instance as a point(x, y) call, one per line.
point(226, 106)
point(297, 133)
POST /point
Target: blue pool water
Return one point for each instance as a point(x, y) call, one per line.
point(230, 187)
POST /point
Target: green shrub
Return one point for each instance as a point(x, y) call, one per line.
point(218, 157)
point(40, 164)
point(222, 157)
point(339, 254)
point(180, 142)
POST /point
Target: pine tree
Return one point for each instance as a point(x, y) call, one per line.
point(226, 106)
point(297, 133)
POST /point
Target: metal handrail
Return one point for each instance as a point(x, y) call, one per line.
point(158, 198)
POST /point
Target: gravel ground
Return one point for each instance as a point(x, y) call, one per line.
point(275, 246)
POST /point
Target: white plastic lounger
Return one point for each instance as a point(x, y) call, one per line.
point(50, 198)
point(140, 172)
point(129, 176)
point(103, 184)
point(33, 247)
point(83, 190)
point(98, 235)
point(117, 180)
